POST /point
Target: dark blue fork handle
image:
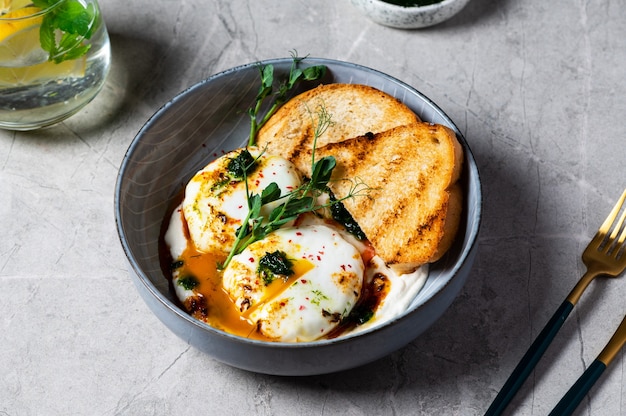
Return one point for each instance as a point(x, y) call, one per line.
point(530, 359)
point(574, 396)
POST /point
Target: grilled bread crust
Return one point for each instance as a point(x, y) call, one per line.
point(355, 110)
point(412, 210)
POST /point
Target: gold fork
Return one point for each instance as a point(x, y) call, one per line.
point(615, 249)
point(605, 255)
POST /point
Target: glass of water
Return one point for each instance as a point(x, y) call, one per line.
point(54, 58)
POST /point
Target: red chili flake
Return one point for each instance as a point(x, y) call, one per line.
point(261, 174)
point(301, 307)
point(343, 267)
point(282, 303)
point(319, 258)
point(303, 280)
point(251, 259)
point(240, 206)
point(298, 233)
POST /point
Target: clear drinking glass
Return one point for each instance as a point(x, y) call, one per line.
point(54, 58)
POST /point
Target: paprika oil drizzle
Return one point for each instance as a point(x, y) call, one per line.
point(212, 304)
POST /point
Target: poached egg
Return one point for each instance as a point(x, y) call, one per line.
point(324, 286)
point(215, 203)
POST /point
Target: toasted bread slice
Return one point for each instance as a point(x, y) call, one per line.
point(412, 210)
point(355, 110)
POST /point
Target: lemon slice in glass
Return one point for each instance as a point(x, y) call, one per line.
point(22, 61)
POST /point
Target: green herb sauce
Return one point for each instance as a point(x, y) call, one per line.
point(274, 264)
point(343, 217)
point(241, 164)
point(188, 282)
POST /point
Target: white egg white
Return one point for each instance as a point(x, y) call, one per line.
point(309, 306)
point(403, 288)
point(214, 207)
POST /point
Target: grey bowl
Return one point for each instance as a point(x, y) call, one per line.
point(210, 117)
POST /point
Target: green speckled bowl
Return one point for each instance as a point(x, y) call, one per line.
point(414, 17)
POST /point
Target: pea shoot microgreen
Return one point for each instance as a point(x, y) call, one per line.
point(65, 27)
point(296, 75)
point(299, 201)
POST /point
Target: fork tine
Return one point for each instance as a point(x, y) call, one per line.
point(620, 249)
point(606, 225)
point(619, 224)
point(608, 242)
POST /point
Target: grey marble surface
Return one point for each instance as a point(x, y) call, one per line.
point(538, 89)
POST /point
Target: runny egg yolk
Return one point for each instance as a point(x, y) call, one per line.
point(207, 300)
point(306, 306)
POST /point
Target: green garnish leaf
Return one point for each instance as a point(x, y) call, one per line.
point(72, 17)
point(303, 199)
point(267, 79)
point(300, 201)
point(65, 28)
point(297, 206)
point(273, 265)
point(296, 75)
point(254, 205)
point(322, 171)
point(270, 194)
point(313, 73)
